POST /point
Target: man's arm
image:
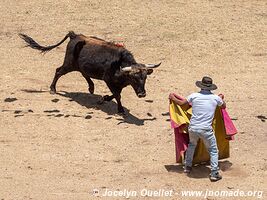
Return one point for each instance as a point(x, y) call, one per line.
point(180, 102)
point(222, 97)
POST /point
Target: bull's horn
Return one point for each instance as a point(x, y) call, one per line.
point(152, 65)
point(126, 69)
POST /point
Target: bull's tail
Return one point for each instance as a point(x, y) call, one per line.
point(31, 43)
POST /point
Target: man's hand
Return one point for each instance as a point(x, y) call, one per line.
point(180, 102)
point(171, 96)
point(222, 96)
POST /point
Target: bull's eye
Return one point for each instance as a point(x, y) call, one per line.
point(143, 76)
point(137, 75)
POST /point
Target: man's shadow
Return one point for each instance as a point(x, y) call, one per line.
point(91, 101)
point(200, 170)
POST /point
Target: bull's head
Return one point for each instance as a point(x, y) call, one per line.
point(136, 75)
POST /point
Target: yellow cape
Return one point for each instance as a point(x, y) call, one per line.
point(181, 115)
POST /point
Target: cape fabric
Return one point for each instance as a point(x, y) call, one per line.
point(223, 127)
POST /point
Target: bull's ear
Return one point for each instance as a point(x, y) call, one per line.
point(149, 71)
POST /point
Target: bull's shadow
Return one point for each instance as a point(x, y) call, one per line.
point(91, 101)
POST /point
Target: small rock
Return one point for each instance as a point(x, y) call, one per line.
point(17, 111)
point(165, 114)
point(76, 115)
point(51, 111)
point(10, 99)
point(149, 114)
point(18, 115)
point(59, 115)
point(88, 117)
point(55, 100)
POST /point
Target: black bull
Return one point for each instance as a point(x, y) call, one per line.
point(102, 60)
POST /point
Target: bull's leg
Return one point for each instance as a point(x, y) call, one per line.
point(59, 72)
point(116, 93)
point(120, 108)
point(91, 86)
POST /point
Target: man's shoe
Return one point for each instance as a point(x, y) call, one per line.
point(215, 177)
point(187, 169)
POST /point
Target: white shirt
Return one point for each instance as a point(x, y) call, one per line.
point(204, 104)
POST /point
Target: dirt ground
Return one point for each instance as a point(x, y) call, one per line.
point(66, 146)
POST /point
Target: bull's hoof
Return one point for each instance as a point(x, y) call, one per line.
point(53, 91)
point(91, 90)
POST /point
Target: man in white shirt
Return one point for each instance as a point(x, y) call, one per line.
point(204, 104)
